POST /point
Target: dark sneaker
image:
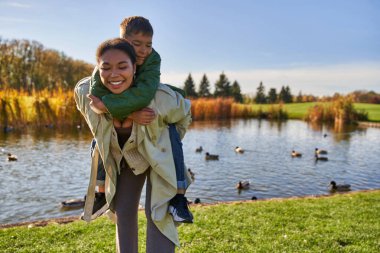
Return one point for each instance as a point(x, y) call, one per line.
point(100, 205)
point(178, 208)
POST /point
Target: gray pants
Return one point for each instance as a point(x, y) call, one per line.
point(127, 198)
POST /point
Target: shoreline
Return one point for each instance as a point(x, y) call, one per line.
point(69, 219)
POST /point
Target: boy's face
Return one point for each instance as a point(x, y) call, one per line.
point(142, 45)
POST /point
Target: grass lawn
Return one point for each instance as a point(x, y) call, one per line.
point(299, 110)
point(372, 109)
point(340, 223)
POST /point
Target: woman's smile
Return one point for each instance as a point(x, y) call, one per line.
point(116, 70)
point(116, 84)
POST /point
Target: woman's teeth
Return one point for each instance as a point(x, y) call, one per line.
point(116, 83)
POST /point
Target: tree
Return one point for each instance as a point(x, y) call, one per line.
point(189, 87)
point(260, 94)
point(282, 95)
point(236, 92)
point(222, 87)
point(204, 87)
point(289, 96)
point(285, 95)
point(26, 65)
point(272, 96)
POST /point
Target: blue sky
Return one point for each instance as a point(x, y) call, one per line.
point(316, 46)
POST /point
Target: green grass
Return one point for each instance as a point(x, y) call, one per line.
point(372, 109)
point(299, 110)
point(340, 223)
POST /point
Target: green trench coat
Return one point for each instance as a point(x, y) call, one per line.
point(153, 144)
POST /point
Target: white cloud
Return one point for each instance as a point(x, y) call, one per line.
point(321, 80)
point(18, 5)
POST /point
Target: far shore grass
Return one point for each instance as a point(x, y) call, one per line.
point(57, 109)
point(299, 110)
point(338, 223)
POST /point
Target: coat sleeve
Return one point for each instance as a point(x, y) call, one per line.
point(174, 108)
point(83, 104)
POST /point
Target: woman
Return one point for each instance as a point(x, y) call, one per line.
point(133, 152)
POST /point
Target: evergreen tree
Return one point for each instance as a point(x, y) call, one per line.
point(189, 87)
point(282, 95)
point(272, 96)
point(204, 87)
point(285, 95)
point(260, 94)
point(289, 96)
point(222, 87)
point(236, 92)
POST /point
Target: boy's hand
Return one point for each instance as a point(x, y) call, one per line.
point(144, 116)
point(97, 104)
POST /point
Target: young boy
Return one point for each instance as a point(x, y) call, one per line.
point(132, 104)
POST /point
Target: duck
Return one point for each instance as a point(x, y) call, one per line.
point(211, 157)
point(239, 150)
point(192, 175)
point(242, 185)
point(199, 150)
point(339, 187)
point(320, 151)
point(72, 204)
point(296, 154)
point(7, 129)
point(197, 201)
point(11, 157)
point(320, 158)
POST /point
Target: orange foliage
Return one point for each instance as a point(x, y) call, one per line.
point(219, 108)
point(57, 107)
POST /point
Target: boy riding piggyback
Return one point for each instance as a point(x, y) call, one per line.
point(133, 104)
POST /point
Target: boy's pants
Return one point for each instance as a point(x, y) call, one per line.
point(177, 150)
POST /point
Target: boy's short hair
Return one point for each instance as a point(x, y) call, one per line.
point(135, 24)
point(119, 44)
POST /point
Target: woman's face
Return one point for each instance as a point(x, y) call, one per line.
point(116, 70)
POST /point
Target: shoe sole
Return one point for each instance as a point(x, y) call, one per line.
point(177, 218)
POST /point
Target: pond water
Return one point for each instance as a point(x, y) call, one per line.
point(54, 165)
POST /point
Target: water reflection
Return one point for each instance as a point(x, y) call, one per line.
point(339, 132)
point(45, 134)
point(53, 164)
point(199, 125)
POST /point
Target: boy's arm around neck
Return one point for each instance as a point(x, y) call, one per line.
point(136, 97)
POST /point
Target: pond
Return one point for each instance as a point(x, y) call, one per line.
point(53, 165)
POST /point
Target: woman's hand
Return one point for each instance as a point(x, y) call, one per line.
point(127, 123)
point(97, 104)
point(117, 123)
point(144, 116)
